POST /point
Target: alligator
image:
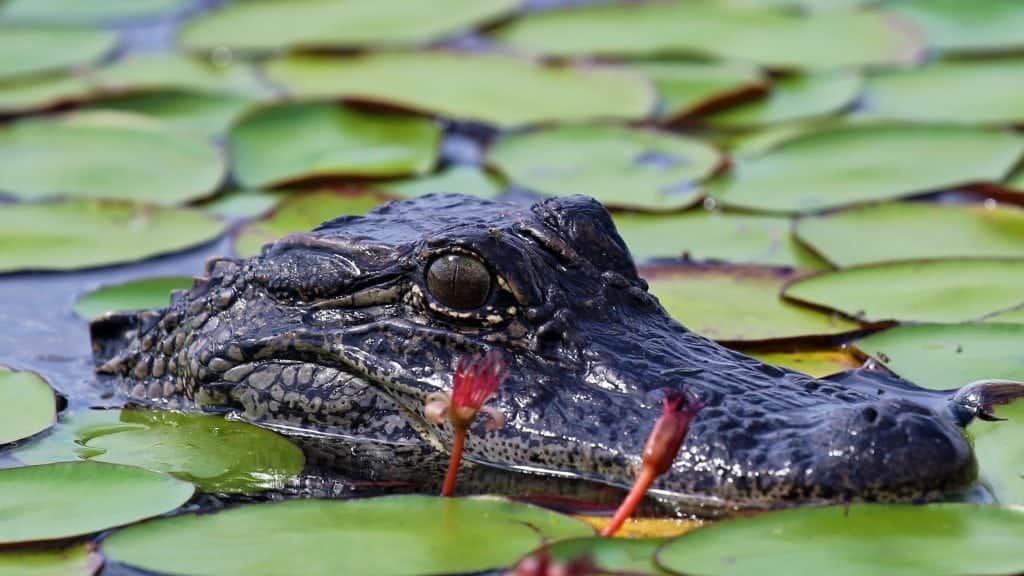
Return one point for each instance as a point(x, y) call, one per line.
point(347, 329)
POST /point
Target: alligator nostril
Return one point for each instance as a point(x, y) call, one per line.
point(870, 414)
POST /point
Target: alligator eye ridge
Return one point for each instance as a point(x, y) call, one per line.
point(459, 281)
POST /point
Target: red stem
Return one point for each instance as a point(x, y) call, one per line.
point(458, 441)
point(636, 494)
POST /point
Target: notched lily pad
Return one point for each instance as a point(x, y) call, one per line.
point(133, 295)
point(77, 560)
point(66, 499)
point(397, 535)
point(207, 114)
point(28, 50)
point(739, 303)
point(795, 98)
point(685, 88)
point(619, 166)
point(291, 142)
point(816, 362)
point(27, 405)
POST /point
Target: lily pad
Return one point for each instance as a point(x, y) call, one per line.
point(717, 236)
point(79, 12)
point(795, 98)
point(608, 555)
point(37, 93)
point(33, 50)
point(300, 213)
point(207, 114)
point(684, 88)
point(813, 362)
point(977, 26)
point(83, 155)
point(947, 356)
point(618, 166)
point(1013, 316)
point(929, 291)
point(773, 38)
point(880, 233)
point(490, 88)
point(856, 539)
point(78, 560)
point(293, 142)
point(738, 303)
point(27, 405)
point(455, 180)
point(56, 501)
point(859, 163)
point(134, 295)
point(245, 203)
point(968, 92)
point(379, 536)
point(169, 71)
point(278, 24)
point(85, 233)
point(999, 447)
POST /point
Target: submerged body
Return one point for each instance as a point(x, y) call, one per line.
point(343, 332)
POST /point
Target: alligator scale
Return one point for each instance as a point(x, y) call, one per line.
point(348, 328)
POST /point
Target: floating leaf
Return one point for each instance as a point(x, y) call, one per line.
point(455, 180)
point(813, 362)
point(718, 236)
point(278, 24)
point(42, 92)
point(83, 155)
point(850, 164)
point(169, 71)
point(207, 114)
point(79, 12)
point(735, 303)
point(84, 233)
point(27, 405)
point(795, 98)
point(300, 141)
point(686, 87)
point(854, 540)
point(646, 527)
point(378, 536)
point(609, 555)
point(134, 295)
point(78, 560)
point(774, 38)
point(56, 501)
point(880, 233)
point(1013, 316)
point(930, 291)
point(968, 92)
point(618, 166)
point(301, 213)
point(33, 50)
point(957, 26)
point(999, 447)
point(490, 88)
point(244, 203)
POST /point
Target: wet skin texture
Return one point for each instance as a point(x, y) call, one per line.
point(348, 328)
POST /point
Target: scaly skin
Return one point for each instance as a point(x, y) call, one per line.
point(339, 331)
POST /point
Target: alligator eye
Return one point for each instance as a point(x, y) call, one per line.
point(459, 281)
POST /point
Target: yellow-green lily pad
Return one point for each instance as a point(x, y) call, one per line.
point(133, 295)
point(245, 203)
point(883, 233)
point(999, 447)
point(85, 233)
point(397, 535)
point(684, 88)
point(483, 87)
point(37, 93)
point(67, 499)
point(86, 155)
point(27, 50)
point(170, 71)
point(795, 98)
point(814, 361)
point(207, 114)
point(619, 166)
point(859, 163)
point(977, 26)
point(27, 405)
point(739, 303)
point(87, 12)
point(77, 560)
point(927, 291)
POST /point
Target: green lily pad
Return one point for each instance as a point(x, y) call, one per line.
point(813, 362)
point(170, 71)
point(134, 295)
point(293, 142)
point(795, 98)
point(37, 93)
point(33, 50)
point(85, 233)
point(78, 560)
point(300, 213)
point(215, 454)
point(83, 155)
point(1013, 316)
point(857, 539)
point(966, 27)
point(947, 356)
point(380, 536)
point(718, 236)
point(207, 114)
point(609, 555)
point(27, 405)
point(89, 12)
point(880, 233)
point(968, 92)
point(929, 291)
point(773, 38)
point(278, 24)
point(618, 166)
point(490, 88)
point(67, 499)
point(455, 180)
point(738, 303)
point(999, 448)
point(684, 88)
point(859, 163)
point(245, 203)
